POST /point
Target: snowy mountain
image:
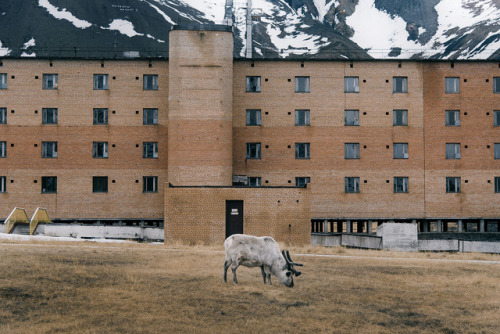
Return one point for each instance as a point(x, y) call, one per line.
point(336, 29)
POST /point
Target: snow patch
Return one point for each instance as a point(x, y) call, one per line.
point(323, 6)
point(4, 51)
point(165, 16)
point(124, 27)
point(29, 43)
point(214, 10)
point(63, 14)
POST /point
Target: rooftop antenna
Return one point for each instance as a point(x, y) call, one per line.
point(228, 14)
point(249, 29)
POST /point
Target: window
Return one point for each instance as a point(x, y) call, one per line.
point(452, 151)
point(351, 84)
point(49, 115)
point(100, 150)
point(399, 117)
point(3, 184)
point(302, 117)
point(400, 85)
point(253, 84)
point(302, 85)
point(100, 116)
point(302, 181)
point(150, 116)
point(100, 184)
point(3, 115)
point(497, 184)
point(253, 150)
point(50, 81)
point(401, 184)
point(497, 150)
point(452, 184)
point(150, 82)
point(351, 117)
point(452, 117)
point(254, 181)
point(3, 80)
point(452, 85)
point(150, 150)
point(3, 149)
point(150, 184)
point(400, 150)
point(49, 149)
point(352, 184)
point(100, 81)
point(496, 118)
point(496, 85)
point(351, 150)
point(253, 117)
point(302, 151)
point(49, 184)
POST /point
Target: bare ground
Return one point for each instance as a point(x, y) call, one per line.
point(89, 288)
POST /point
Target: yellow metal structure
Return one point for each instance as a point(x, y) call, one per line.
point(17, 216)
point(40, 216)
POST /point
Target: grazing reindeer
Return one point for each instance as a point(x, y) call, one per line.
point(263, 252)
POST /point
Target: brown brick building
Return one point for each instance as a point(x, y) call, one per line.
point(100, 140)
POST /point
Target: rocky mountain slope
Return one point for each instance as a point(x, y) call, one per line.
point(336, 29)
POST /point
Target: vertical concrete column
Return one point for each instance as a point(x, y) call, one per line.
point(481, 226)
point(369, 227)
point(439, 226)
point(200, 106)
point(348, 226)
point(460, 225)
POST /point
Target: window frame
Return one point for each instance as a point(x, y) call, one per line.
point(254, 151)
point(401, 184)
point(306, 84)
point(452, 85)
point(302, 117)
point(49, 184)
point(351, 87)
point(96, 148)
point(404, 117)
point(150, 150)
point(256, 120)
point(48, 84)
point(3, 81)
point(146, 116)
point(146, 180)
point(254, 181)
point(452, 121)
point(496, 85)
point(46, 151)
point(100, 184)
point(353, 181)
point(96, 116)
point(399, 88)
point(355, 117)
point(302, 151)
point(45, 116)
point(302, 181)
point(3, 149)
point(3, 115)
point(354, 150)
point(497, 184)
point(104, 82)
point(150, 82)
point(453, 185)
point(3, 184)
point(496, 151)
point(398, 153)
point(251, 87)
point(496, 117)
point(452, 153)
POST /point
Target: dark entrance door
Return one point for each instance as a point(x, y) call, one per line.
point(234, 217)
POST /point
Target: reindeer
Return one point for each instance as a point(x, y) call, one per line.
point(263, 252)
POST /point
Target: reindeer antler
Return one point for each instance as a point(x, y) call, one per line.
point(290, 263)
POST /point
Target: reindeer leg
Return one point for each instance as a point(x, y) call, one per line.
point(264, 275)
point(235, 266)
point(269, 279)
point(226, 267)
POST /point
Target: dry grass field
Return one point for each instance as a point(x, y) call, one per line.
point(146, 288)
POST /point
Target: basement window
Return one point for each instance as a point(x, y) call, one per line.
point(150, 184)
point(50, 81)
point(254, 181)
point(100, 184)
point(253, 84)
point(49, 184)
point(101, 82)
point(400, 184)
point(150, 116)
point(3, 115)
point(302, 181)
point(49, 115)
point(150, 82)
point(452, 117)
point(150, 150)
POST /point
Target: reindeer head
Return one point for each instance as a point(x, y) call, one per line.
point(288, 271)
